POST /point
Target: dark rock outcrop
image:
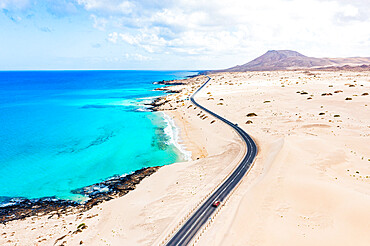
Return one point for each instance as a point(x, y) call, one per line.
point(97, 193)
point(168, 90)
point(169, 82)
point(156, 103)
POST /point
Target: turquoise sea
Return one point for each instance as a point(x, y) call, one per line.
point(62, 130)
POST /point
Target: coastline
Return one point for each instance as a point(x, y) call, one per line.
point(310, 179)
point(173, 131)
point(106, 190)
point(178, 187)
point(19, 208)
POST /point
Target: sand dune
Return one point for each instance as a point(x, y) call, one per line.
point(310, 184)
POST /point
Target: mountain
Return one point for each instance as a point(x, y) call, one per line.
point(288, 59)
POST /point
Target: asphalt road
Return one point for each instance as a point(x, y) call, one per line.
point(185, 234)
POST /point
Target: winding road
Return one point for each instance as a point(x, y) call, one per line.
point(190, 228)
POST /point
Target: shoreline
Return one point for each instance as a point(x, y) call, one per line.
point(97, 193)
point(312, 142)
point(173, 131)
point(138, 218)
point(18, 208)
point(294, 186)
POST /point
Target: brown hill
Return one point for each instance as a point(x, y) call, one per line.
point(288, 60)
point(357, 68)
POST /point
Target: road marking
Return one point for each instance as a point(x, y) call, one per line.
point(242, 165)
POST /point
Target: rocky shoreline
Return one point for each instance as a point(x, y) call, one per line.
point(114, 187)
point(97, 193)
point(169, 82)
point(156, 104)
point(178, 91)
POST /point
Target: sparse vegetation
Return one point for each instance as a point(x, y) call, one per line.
point(81, 226)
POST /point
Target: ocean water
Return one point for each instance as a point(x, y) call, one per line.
point(62, 130)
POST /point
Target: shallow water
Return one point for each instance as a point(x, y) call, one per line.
point(62, 130)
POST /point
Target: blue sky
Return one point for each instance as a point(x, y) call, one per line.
point(182, 34)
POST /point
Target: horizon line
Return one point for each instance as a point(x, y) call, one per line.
point(51, 70)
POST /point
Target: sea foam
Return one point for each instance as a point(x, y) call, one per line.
point(63, 130)
point(172, 131)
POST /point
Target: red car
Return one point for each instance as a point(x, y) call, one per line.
point(216, 204)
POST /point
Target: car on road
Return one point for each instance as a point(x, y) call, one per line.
point(216, 204)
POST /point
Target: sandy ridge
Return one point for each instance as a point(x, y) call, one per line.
point(309, 185)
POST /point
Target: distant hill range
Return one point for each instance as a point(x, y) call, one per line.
point(291, 60)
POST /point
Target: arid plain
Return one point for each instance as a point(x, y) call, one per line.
point(310, 183)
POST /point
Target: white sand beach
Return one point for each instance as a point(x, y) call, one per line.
point(310, 183)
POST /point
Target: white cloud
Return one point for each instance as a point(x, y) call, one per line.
point(113, 6)
point(203, 32)
point(14, 4)
point(137, 57)
point(219, 27)
point(196, 27)
point(349, 10)
point(231, 27)
point(113, 37)
point(99, 22)
point(148, 41)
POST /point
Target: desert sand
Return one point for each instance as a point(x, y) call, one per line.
point(310, 183)
point(148, 214)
